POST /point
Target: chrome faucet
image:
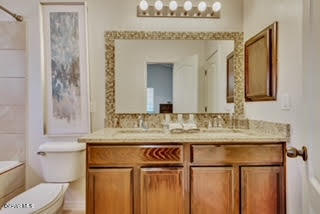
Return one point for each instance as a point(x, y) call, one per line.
point(142, 124)
point(218, 122)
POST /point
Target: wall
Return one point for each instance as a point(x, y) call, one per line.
point(258, 15)
point(117, 15)
point(131, 67)
point(12, 90)
point(102, 15)
point(160, 79)
point(33, 95)
point(217, 64)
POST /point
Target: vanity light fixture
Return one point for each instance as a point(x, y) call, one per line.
point(187, 6)
point(202, 6)
point(216, 7)
point(171, 8)
point(158, 5)
point(144, 5)
point(173, 5)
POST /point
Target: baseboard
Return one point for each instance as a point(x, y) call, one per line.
point(75, 206)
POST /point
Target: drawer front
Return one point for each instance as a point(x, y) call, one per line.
point(237, 154)
point(130, 155)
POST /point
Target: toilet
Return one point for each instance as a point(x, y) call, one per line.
point(61, 163)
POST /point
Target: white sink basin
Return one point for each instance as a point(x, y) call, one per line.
point(220, 130)
point(139, 132)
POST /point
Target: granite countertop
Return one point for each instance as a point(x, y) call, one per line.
point(136, 136)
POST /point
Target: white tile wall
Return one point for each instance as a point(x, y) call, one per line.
point(12, 147)
point(12, 119)
point(12, 36)
point(12, 63)
point(12, 91)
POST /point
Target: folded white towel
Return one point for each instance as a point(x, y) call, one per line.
point(173, 126)
point(189, 126)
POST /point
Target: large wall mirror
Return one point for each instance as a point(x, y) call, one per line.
point(168, 72)
point(172, 76)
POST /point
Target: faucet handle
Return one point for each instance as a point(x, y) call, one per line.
point(180, 119)
point(221, 121)
point(215, 122)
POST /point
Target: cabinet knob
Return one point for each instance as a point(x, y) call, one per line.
point(293, 153)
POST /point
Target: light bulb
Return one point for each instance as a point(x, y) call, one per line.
point(187, 5)
point(216, 6)
point(158, 5)
point(173, 5)
point(202, 6)
point(144, 5)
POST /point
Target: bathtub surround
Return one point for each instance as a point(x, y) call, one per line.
point(12, 90)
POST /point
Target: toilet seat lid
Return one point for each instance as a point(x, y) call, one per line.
point(36, 198)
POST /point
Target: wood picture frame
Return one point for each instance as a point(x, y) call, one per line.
point(261, 62)
point(230, 78)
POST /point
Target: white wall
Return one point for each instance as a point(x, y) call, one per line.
point(219, 80)
point(258, 14)
point(131, 67)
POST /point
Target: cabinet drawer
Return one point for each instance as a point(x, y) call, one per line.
point(130, 155)
point(234, 154)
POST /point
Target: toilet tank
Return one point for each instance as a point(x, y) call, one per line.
point(62, 162)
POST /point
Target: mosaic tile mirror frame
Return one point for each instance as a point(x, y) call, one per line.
point(113, 119)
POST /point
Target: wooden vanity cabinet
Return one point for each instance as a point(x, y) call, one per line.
point(186, 179)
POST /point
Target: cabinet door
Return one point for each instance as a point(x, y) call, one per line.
point(212, 190)
point(110, 191)
point(162, 191)
point(262, 190)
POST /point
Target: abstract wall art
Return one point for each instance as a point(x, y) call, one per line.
point(66, 69)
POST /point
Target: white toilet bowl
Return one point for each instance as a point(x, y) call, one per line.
point(61, 162)
point(45, 198)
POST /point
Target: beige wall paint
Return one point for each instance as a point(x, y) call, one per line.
point(258, 14)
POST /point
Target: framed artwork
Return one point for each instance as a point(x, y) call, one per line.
point(230, 78)
point(65, 69)
point(261, 64)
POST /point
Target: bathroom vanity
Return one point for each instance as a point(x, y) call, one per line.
point(150, 172)
point(230, 166)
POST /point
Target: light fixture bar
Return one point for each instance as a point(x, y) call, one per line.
point(180, 12)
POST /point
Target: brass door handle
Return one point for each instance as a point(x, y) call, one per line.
point(293, 153)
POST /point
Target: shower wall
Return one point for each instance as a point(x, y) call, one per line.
point(12, 90)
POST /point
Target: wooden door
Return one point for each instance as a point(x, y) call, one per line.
point(162, 191)
point(212, 190)
point(262, 190)
point(110, 191)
